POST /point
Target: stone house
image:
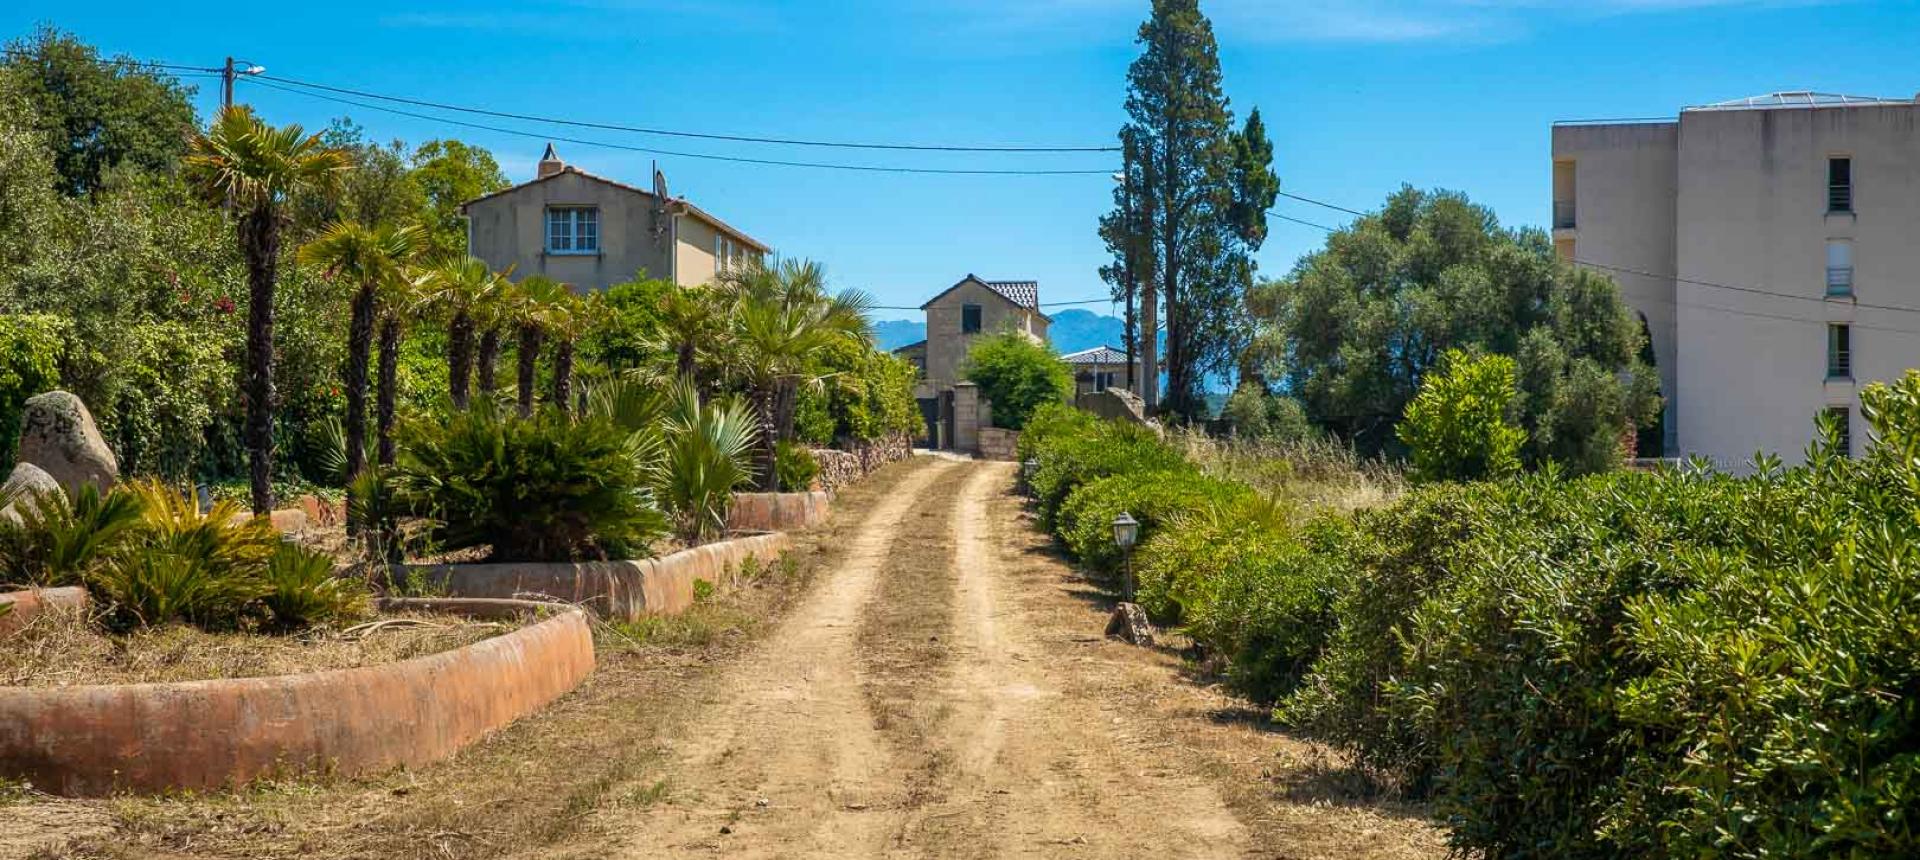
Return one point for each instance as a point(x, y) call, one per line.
point(952, 407)
point(1099, 369)
point(592, 232)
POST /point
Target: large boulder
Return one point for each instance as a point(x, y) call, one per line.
point(57, 434)
point(1115, 403)
point(26, 482)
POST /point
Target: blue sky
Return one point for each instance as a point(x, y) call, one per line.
point(1361, 96)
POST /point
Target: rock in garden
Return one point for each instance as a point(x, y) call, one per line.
point(1129, 622)
point(57, 434)
point(26, 482)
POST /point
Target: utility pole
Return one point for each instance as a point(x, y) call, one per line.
point(226, 85)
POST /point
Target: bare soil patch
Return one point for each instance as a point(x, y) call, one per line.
point(65, 647)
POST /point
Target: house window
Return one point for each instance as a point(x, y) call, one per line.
point(1103, 380)
point(1839, 351)
point(1839, 185)
point(726, 253)
point(969, 319)
point(1843, 420)
point(1839, 267)
point(573, 230)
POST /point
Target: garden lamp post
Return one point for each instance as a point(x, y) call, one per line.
point(1126, 530)
point(1027, 471)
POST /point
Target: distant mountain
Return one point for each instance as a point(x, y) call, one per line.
point(893, 334)
point(1073, 330)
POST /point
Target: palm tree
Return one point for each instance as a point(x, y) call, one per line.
point(531, 304)
point(466, 293)
point(573, 317)
point(401, 299)
point(371, 259)
point(780, 316)
point(255, 168)
point(688, 322)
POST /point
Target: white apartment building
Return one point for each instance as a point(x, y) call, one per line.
point(1771, 245)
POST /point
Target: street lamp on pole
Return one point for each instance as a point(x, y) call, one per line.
point(1126, 530)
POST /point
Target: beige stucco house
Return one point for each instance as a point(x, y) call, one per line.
point(592, 232)
point(1771, 245)
point(960, 313)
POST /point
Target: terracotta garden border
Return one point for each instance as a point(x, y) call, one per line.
point(33, 601)
point(200, 735)
point(614, 589)
point(778, 512)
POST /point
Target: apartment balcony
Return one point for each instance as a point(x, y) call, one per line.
point(1840, 280)
point(1562, 214)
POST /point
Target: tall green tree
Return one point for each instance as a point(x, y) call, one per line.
point(449, 173)
point(96, 114)
point(257, 168)
point(380, 189)
point(1181, 225)
point(1018, 374)
point(1356, 327)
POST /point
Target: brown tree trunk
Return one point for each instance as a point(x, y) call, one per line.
point(459, 359)
point(359, 351)
point(389, 367)
point(763, 409)
point(489, 360)
point(260, 241)
point(563, 374)
point(529, 358)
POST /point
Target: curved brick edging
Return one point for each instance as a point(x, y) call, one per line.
point(33, 601)
point(208, 734)
point(777, 512)
point(617, 589)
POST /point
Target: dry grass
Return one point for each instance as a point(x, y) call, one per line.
point(68, 647)
point(1313, 474)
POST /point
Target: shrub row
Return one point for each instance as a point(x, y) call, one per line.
point(1672, 664)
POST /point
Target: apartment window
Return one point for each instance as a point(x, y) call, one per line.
point(1839, 351)
point(1563, 195)
point(1839, 185)
point(969, 319)
point(1842, 418)
point(1839, 267)
point(573, 230)
point(726, 252)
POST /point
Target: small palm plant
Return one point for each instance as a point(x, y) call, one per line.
point(708, 457)
point(255, 168)
point(53, 540)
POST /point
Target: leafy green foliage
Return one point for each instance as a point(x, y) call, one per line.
point(449, 173)
point(152, 557)
point(543, 488)
point(1073, 448)
point(1251, 411)
point(29, 364)
point(1017, 374)
point(96, 114)
point(796, 466)
point(1085, 521)
point(1457, 427)
point(1359, 324)
point(709, 449)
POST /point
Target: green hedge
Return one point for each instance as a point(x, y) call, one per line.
point(29, 365)
point(1673, 664)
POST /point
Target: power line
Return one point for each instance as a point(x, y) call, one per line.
point(1335, 207)
point(869, 168)
point(738, 138)
point(113, 61)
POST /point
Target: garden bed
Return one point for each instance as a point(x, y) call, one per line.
point(614, 589)
point(778, 512)
point(367, 708)
point(63, 647)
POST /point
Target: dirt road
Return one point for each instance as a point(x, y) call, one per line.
point(944, 692)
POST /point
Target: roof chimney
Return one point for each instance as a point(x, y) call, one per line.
point(550, 164)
